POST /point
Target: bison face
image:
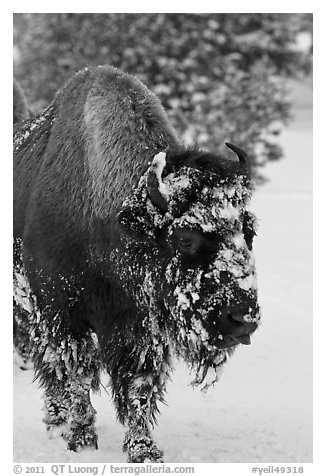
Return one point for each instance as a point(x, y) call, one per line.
point(200, 272)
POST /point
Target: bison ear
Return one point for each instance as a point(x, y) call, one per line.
point(157, 190)
point(243, 157)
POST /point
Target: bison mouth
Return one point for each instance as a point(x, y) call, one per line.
point(234, 326)
point(224, 342)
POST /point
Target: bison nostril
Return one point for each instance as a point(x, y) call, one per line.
point(236, 319)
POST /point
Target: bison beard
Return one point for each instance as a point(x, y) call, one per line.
point(118, 265)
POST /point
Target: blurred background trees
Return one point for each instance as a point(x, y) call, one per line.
point(221, 77)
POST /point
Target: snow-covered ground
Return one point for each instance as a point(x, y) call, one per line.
point(261, 410)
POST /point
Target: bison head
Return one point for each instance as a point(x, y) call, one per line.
point(190, 235)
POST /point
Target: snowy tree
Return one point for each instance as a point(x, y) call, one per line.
point(221, 77)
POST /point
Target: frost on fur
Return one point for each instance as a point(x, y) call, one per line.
point(194, 296)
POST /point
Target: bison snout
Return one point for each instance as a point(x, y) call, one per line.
point(235, 326)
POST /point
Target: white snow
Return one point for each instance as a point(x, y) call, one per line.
point(261, 409)
point(249, 282)
point(229, 212)
point(238, 240)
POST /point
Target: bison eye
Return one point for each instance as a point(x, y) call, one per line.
point(188, 241)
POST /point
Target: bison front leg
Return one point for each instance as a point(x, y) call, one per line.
point(138, 441)
point(136, 393)
point(68, 369)
point(70, 414)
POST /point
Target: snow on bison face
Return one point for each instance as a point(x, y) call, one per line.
point(193, 234)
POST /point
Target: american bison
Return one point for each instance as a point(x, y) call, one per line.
point(128, 248)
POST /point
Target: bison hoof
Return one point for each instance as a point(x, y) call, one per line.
point(145, 455)
point(141, 452)
point(82, 438)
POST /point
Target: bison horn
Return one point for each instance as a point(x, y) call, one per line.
point(157, 190)
point(243, 157)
